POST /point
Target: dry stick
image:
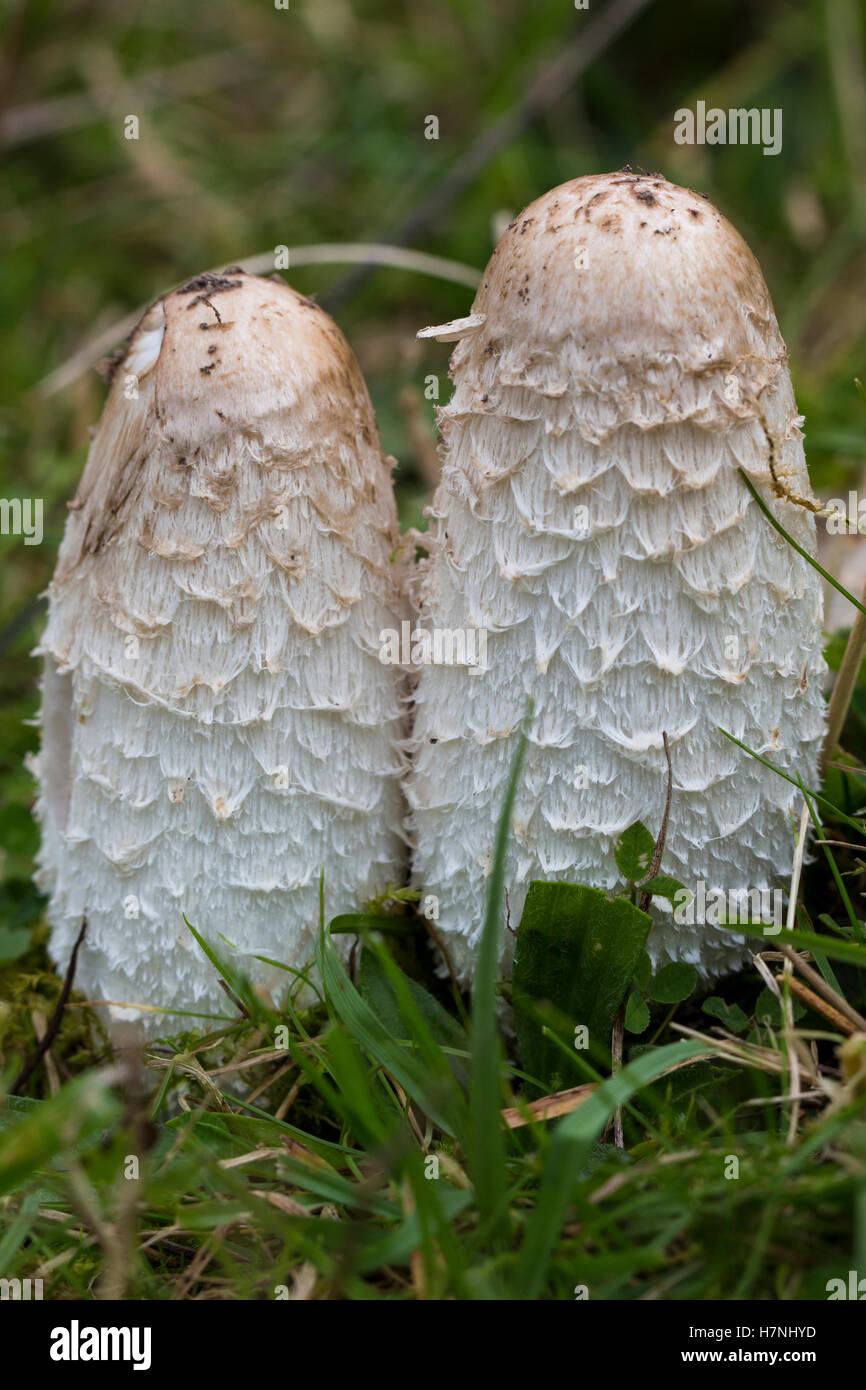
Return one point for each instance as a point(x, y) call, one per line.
point(52, 1030)
point(616, 1050)
point(795, 1086)
point(815, 1001)
point(238, 1003)
point(550, 84)
point(819, 984)
point(843, 688)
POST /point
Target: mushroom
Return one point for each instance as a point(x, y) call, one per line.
point(217, 727)
point(621, 364)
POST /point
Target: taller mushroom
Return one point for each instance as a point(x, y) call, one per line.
point(621, 363)
point(217, 728)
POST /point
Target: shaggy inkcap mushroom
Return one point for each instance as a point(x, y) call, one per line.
point(622, 361)
point(216, 725)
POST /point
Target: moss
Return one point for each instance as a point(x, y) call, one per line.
point(30, 986)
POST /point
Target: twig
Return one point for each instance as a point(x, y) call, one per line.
point(815, 1001)
point(819, 984)
point(236, 1000)
point(795, 1085)
point(549, 1107)
point(616, 1051)
point(53, 1027)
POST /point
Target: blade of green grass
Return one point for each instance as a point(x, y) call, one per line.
point(365, 1027)
point(487, 1145)
point(777, 526)
point(838, 815)
point(569, 1152)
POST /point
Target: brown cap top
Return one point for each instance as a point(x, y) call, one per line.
point(234, 348)
point(619, 284)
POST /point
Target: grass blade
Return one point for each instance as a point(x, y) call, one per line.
point(570, 1150)
point(487, 1146)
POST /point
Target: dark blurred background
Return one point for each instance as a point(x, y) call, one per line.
point(262, 127)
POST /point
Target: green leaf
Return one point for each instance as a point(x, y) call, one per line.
point(634, 852)
point(637, 1015)
point(236, 980)
point(673, 983)
point(810, 559)
point(731, 1016)
point(767, 1006)
point(663, 886)
point(377, 990)
point(643, 970)
point(834, 947)
point(79, 1112)
point(576, 950)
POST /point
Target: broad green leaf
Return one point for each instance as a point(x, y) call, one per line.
point(643, 970)
point(731, 1016)
point(576, 950)
point(637, 1015)
point(768, 1006)
point(378, 991)
point(634, 852)
point(673, 983)
point(663, 886)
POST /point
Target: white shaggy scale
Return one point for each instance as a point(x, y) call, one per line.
point(216, 725)
point(591, 517)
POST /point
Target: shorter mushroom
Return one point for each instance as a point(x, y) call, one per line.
point(217, 728)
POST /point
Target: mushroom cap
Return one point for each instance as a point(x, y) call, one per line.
point(228, 358)
point(624, 273)
point(233, 348)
